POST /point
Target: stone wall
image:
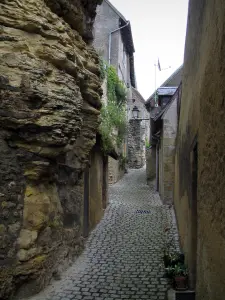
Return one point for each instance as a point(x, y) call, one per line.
point(136, 99)
point(136, 159)
point(116, 172)
point(138, 130)
point(200, 156)
point(50, 101)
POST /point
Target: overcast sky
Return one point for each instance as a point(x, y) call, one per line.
point(159, 30)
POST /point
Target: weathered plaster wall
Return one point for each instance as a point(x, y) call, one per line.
point(115, 170)
point(50, 100)
point(96, 187)
point(151, 163)
point(106, 21)
point(202, 119)
point(167, 153)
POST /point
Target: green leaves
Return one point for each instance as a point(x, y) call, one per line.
point(113, 115)
point(116, 90)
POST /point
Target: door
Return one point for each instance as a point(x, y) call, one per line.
point(105, 182)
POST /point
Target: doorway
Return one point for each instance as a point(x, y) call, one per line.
point(105, 182)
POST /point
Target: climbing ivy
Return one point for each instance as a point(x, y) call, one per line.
point(113, 115)
point(116, 90)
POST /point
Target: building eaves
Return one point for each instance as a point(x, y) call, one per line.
point(132, 72)
point(116, 11)
point(176, 96)
point(161, 113)
point(127, 37)
point(165, 83)
point(162, 91)
point(166, 91)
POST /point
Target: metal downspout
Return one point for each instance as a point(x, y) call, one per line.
point(110, 39)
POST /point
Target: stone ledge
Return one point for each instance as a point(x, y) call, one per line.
point(180, 295)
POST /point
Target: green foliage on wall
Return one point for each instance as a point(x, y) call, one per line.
point(116, 90)
point(147, 143)
point(113, 115)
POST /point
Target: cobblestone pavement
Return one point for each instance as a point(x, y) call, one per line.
point(123, 255)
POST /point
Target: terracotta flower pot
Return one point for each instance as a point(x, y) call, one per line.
point(181, 283)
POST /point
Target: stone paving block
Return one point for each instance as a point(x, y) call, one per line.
point(123, 254)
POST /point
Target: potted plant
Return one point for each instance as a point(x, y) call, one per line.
point(177, 258)
point(170, 275)
point(180, 277)
point(173, 259)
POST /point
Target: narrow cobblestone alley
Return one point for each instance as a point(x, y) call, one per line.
point(123, 255)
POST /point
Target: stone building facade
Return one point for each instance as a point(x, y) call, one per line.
point(120, 50)
point(116, 47)
point(50, 101)
point(200, 157)
point(138, 131)
point(154, 154)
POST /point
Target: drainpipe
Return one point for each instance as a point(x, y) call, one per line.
point(110, 38)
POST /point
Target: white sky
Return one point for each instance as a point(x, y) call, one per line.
point(159, 30)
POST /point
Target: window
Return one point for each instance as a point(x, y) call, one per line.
point(164, 101)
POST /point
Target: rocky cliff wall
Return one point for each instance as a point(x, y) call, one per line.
point(50, 100)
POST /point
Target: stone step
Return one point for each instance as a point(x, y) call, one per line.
point(180, 295)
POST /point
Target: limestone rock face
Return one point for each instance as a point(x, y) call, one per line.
point(50, 94)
